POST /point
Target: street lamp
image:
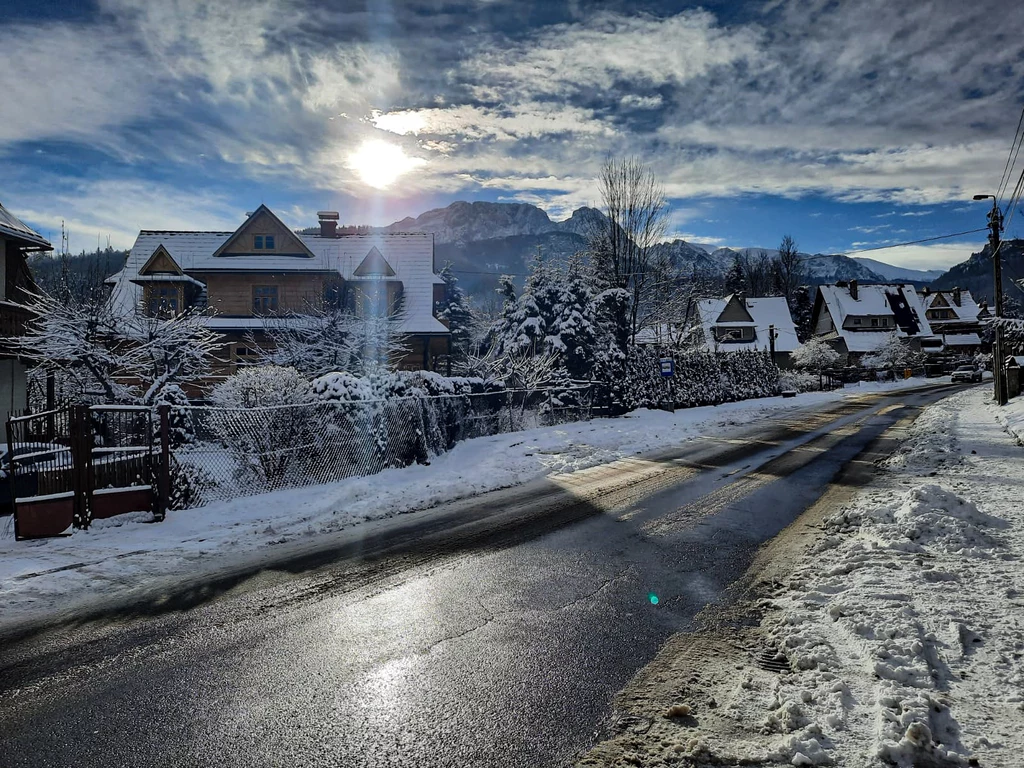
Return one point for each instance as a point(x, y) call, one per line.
point(995, 224)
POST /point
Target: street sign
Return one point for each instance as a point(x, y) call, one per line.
point(668, 366)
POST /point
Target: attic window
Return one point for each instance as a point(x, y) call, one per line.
point(263, 242)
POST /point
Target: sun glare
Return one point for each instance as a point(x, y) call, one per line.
point(378, 163)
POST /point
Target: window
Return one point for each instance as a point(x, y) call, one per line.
point(246, 356)
point(885, 321)
point(264, 299)
point(874, 322)
point(268, 242)
point(263, 242)
point(856, 321)
point(257, 242)
point(163, 301)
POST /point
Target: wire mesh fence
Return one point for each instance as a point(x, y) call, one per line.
point(224, 453)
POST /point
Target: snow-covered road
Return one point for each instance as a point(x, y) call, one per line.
point(52, 578)
point(897, 638)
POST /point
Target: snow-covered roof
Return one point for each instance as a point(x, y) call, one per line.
point(961, 339)
point(967, 310)
point(765, 312)
point(12, 227)
point(410, 255)
point(876, 300)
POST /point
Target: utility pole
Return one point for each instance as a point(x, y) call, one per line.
point(772, 336)
point(995, 225)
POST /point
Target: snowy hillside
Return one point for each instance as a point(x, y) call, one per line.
point(901, 274)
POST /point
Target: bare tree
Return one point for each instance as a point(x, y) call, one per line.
point(634, 204)
point(789, 267)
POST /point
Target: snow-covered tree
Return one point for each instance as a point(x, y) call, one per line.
point(314, 343)
point(894, 354)
point(815, 355)
point(572, 334)
point(165, 351)
point(101, 355)
point(454, 309)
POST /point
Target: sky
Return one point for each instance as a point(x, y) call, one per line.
point(847, 125)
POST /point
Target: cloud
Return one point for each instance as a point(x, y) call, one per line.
point(935, 256)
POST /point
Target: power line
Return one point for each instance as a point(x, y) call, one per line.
point(1011, 158)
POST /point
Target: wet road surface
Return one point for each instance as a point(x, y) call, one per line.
point(493, 631)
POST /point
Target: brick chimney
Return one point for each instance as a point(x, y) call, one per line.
point(957, 298)
point(853, 290)
point(328, 223)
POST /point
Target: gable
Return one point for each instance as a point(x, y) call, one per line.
point(250, 239)
point(161, 262)
point(939, 301)
point(374, 264)
point(735, 312)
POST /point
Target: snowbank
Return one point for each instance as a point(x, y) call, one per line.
point(116, 556)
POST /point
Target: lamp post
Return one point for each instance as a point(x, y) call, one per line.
point(995, 224)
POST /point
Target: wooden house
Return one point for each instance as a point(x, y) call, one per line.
point(17, 242)
point(265, 272)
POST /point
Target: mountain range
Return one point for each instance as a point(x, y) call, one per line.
point(483, 240)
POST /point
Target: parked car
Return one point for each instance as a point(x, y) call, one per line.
point(967, 373)
point(31, 458)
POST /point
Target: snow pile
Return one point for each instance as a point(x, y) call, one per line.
point(1012, 417)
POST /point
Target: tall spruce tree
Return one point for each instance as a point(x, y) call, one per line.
point(573, 333)
point(454, 309)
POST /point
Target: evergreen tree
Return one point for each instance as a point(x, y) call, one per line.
point(572, 334)
point(454, 309)
point(802, 308)
point(735, 278)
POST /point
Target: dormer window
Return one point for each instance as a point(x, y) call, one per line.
point(263, 242)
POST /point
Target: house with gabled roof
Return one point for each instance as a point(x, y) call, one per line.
point(957, 319)
point(17, 242)
point(858, 319)
point(735, 322)
point(263, 270)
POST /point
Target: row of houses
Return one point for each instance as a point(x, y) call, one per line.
point(854, 319)
point(264, 269)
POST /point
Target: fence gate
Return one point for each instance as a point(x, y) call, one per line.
point(41, 473)
point(79, 463)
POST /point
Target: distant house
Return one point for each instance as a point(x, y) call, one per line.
point(736, 322)
point(265, 270)
point(957, 319)
point(17, 241)
point(858, 319)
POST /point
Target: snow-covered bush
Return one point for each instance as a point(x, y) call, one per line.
point(264, 418)
point(797, 381)
point(698, 379)
point(815, 355)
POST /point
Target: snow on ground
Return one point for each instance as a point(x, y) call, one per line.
point(903, 622)
point(52, 577)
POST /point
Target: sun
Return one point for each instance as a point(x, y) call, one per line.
point(378, 163)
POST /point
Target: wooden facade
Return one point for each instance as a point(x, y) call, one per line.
point(264, 270)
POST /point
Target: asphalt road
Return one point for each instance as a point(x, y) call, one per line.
point(493, 631)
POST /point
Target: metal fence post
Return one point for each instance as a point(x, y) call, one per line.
point(81, 458)
point(164, 476)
